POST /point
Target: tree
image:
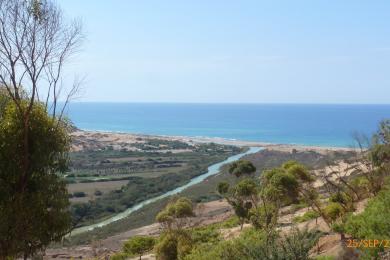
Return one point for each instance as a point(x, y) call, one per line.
point(260, 202)
point(176, 213)
point(242, 167)
point(278, 187)
point(242, 197)
point(175, 242)
point(35, 43)
point(373, 159)
point(138, 245)
point(36, 213)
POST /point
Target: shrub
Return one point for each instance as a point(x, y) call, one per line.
point(325, 257)
point(253, 245)
point(307, 216)
point(373, 222)
point(242, 167)
point(166, 249)
point(119, 256)
point(333, 211)
point(98, 193)
point(138, 245)
point(79, 194)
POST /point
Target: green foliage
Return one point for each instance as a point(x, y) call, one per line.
point(245, 188)
point(4, 99)
point(255, 245)
point(373, 222)
point(307, 216)
point(206, 234)
point(230, 222)
point(166, 249)
point(173, 245)
point(242, 167)
point(178, 208)
point(361, 185)
point(175, 242)
point(378, 158)
point(241, 197)
point(33, 200)
point(325, 257)
point(339, 197)
point(299, 171)
point(223, 188)
point(297, 244)
point(280, 185)
point(261, 203)
point(264, 216)
point(334, 211)
point(119, 256)
point(138, 245)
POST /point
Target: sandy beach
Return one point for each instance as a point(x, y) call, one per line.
point(99, 139)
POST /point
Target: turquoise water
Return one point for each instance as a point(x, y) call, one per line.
point(212, 170)
point(324, 125)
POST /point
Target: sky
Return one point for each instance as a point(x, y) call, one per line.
point(229, 51)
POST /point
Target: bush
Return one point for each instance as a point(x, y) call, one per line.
point(119, 256)
point(253, 245)
point(98, 193)
point(174, 245)
point(325, 257)
point(79, 194)
point(373, 222)
point(138, 245)
point(166, 249)
point(333, 211)
point(307, 216)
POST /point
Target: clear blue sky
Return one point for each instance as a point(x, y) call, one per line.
point(313, 51)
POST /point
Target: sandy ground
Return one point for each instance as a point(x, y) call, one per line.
point(97, 140)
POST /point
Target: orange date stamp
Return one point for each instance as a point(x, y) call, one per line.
point(368, 243)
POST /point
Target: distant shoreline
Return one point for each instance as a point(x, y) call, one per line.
point(120, 136)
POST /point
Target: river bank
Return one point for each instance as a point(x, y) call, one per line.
point(212, 170)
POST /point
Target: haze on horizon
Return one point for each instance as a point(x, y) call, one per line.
point(227, 51)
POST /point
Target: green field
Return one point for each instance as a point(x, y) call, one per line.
point(146, 174)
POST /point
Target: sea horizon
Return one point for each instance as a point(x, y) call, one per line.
point(326, 125)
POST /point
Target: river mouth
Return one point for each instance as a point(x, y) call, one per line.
point(211, 170)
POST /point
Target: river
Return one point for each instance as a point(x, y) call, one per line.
point(211, 170)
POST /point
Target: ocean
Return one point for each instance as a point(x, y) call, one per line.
point(320, 125)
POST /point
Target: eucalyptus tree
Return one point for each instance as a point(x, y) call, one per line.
point(36, 41)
